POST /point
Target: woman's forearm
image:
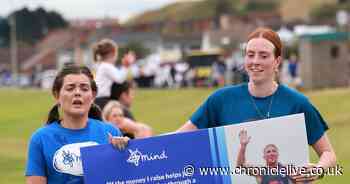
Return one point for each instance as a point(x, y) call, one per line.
point(241, 156)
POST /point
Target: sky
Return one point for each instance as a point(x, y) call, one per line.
point(82, 9)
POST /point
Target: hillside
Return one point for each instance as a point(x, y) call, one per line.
point(181, 11)
point(176, 12)
point(292, 9)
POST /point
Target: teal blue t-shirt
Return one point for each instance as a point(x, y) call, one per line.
point(54, 151)
point(234, 104)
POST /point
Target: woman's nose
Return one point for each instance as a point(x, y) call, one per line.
point(255, 60)
point(77, 92)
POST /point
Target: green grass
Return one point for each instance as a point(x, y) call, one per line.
point(23, 111)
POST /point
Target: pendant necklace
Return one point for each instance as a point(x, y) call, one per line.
point(261, 115)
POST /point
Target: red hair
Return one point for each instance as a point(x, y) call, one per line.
point(269, 35)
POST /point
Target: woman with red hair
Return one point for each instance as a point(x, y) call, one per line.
point(262, 98)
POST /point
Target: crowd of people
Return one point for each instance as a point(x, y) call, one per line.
point(151, 72)
point(96, 109)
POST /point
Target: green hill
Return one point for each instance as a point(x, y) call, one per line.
point(192, 10)
point(176, 12)
point(289, 10)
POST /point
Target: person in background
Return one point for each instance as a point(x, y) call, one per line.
point(54, 150)
point(293, 64)
point(263, 98)
point(105, 53)
point(113, 113)
point(219, 71)
point(124, 94)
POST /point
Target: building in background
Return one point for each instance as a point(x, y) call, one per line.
point(324, 60)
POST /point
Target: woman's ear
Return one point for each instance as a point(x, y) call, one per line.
point(278, 62)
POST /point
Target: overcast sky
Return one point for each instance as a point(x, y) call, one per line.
point(72, 9)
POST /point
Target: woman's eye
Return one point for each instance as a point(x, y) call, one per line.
point(69, 89)
point(85, 89)
point(250, 55)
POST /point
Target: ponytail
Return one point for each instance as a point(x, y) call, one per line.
point(53, 115)
point(95, 112)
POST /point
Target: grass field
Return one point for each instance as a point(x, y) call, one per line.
point(23, 111)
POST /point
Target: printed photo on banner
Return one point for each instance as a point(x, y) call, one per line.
point(256, 146)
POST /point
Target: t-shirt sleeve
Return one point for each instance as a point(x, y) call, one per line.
point(113, 130)
point(315, 124)
point(202, 118)
point(117, 75)
point(36, 165)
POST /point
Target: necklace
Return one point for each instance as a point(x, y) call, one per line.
point(261, 115)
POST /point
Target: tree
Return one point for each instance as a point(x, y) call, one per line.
point(28, 27)
point(260, 6)
point(4, 32)
point(31, 26)
point(55, 20)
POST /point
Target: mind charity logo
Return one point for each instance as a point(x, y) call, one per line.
point(136, 157)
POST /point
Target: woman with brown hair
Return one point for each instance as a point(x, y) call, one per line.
point(262, 98)
point(54, 150)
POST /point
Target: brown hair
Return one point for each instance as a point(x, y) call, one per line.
point(117, 89)
point(104, 48)
point(71, 68)
point(269, 35)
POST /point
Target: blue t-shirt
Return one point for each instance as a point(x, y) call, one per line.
point(234, 104)
point(54, 151)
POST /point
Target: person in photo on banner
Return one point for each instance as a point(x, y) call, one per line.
point(54, 150)
point(270, 155)
point(262, 98)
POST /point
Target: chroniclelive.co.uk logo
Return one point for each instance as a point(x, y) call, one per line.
point(136, 157)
